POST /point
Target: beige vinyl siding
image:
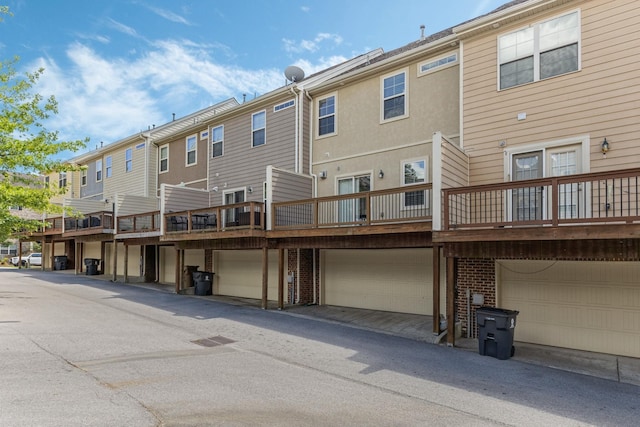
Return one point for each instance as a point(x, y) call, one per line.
point(134, 181)
point(584, 305)
point(194, 176)
point(599, 100)
point(129, 205)
point(88, 206)
point(288, 186)
point(306, 107)
point(152, 171)
point(243, 165)
point(455, 166)
point(178, 199)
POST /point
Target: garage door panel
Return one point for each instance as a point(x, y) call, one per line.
point(239, 273)
point(581, 305)
point(397, 280)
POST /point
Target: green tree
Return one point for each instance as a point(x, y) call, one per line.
point(27, 148)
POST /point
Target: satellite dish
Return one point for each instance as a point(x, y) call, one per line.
point(294, 74)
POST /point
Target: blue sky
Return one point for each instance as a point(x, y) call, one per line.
point(117, 67)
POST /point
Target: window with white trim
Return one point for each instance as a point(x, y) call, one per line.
point(128, 160)
point(258, 129)
point(414, 172)
point(540, 51)
point(107, 166)
point(284, 106)
point(62, 180)
point(83, 177)
point(437, 64)
point(217, 141)
point(327, 115)
point(191, 145)
point(164, 159)
point(394, 96)
point(98, 170)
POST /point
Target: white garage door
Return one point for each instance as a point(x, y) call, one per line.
point(398, 280)
point(593, 306)
point(239, 273)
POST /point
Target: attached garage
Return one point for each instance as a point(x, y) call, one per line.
point(398, 280)
point(583, 305)
point(239, 273)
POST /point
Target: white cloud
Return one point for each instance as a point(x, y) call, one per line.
point(109, 99)
point(125, 29)
point(169, 15)
point(293, 46)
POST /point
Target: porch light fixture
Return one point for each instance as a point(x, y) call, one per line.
point(381, 174)
point(605, 147)
point(250, 189)
point(323, 174)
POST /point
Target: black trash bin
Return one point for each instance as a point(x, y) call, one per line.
point(92, 266)
point(60, 262)
point(496, 327)
point(187, 273)
point(203, 281)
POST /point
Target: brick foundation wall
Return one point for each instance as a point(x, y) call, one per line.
point(304, 275)
point(479, 276)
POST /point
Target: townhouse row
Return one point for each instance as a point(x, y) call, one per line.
point(493, 163)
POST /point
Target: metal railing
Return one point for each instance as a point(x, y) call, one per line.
point(237, 216)
point(397, 205)
point(606, 197)
point(139, 223)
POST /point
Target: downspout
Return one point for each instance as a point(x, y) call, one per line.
point(315, 191)
point(296, 157)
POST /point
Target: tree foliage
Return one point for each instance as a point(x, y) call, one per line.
point(27, 149)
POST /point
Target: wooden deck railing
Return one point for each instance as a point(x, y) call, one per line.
point(139, 223)
point(93, 221)
point(606, 197)
point(52, 225)
point(397, 205)
point(247, 215)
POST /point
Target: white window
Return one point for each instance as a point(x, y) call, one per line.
point(546, 49)
point(83, 177)
point(414, 172)
point(62, 179)
point(108, 168)
point(394, 96)
point(164, 158)
point(284, 106)
point(191, 145)
point(98, 170)
point(258, 129)
point(437, 64)
point(217, 141)
point(128, 160)
point(327, 116)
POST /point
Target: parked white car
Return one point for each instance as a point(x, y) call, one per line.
point(34, 259)
point(15, 259)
